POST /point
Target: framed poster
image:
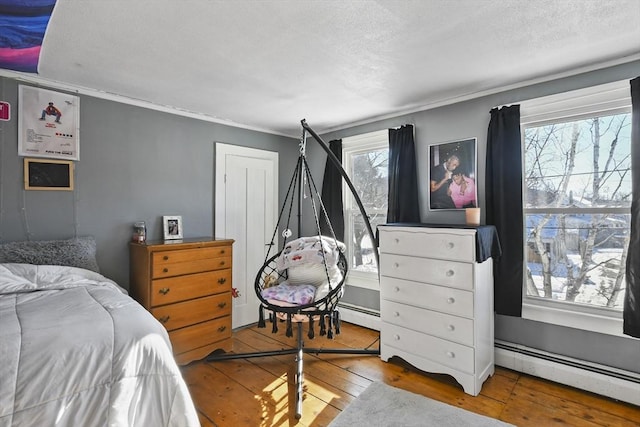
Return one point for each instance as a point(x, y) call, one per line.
point(452, 175)
point(48, 124)
point(42, 174)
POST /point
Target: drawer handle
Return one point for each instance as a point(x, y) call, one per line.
point(451, 328)
point(221, 251)
point(166, 258)
point(165, 270)
point(222, 280)
point(222, 328)
point(164, 319)
point(164, 291)
point(451, 245)
point(221, 262)
point(396, 288)
point(451, 300)
point(396, 265)
point(451, 355)
point(450, 273)
point(396, 314)
point(222, 304)
point(396, 240)
point(396, 337)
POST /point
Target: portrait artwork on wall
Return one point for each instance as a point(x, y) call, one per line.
point(452, 175)
point(172, 226)
point(48, 124)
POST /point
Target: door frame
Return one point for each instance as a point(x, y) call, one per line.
point(221, 150)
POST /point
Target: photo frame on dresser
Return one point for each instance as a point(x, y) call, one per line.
point(172, 227)
point(452, 175)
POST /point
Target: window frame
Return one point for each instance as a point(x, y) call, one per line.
point(608, 99)
point(353, 145)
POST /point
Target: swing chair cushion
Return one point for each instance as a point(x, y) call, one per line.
point(293, 294)
point(306, 281)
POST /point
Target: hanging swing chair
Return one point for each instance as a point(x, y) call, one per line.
point(303, 282)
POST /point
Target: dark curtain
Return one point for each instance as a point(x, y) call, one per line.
point(631, 314)
point(403, 179)
point(503, 196)
point(332, 194)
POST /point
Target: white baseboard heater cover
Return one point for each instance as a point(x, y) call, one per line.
point(600, 379)
point(361, 316)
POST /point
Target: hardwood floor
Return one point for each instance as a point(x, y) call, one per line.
point(259, 391)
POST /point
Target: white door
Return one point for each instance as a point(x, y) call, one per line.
point(246, 211)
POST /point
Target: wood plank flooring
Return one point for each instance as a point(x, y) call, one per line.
point(260, 391)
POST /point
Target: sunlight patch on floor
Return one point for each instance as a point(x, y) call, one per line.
point(278, 406)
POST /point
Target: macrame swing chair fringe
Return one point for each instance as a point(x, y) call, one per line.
point(323, 310)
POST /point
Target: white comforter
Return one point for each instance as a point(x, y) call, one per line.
point(75, 350)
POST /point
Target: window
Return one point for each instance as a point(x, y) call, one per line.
point(577, 199)
point(365, 158)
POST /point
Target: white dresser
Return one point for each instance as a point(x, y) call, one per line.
point(436, 304)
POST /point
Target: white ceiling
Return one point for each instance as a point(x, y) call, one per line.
point(267, 64)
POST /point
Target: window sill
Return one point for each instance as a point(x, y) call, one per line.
point(573, 319)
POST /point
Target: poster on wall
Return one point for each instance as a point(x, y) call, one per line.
point(452, 175)
point(48, 124)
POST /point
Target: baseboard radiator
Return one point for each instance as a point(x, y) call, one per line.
point(600, 379)
point(362, 316)
point(596, 378)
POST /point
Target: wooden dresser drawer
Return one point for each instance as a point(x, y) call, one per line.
point(200, 335)
point(181, 314)
point(440, 298)
point(169, 269)
point(182, 255)
point(181, 288)
point(448, 353)
point(433, 271)
point(442, 244)
point(447, 326)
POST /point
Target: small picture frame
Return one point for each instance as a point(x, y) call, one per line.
point(172, 226)
point(43, 174)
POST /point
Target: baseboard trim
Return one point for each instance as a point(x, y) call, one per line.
point(611, 382)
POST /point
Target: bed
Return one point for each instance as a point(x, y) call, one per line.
point(76, 350)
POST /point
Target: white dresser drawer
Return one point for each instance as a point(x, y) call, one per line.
point(447, 326)
point(433, 271)
point(458, 245)
point(453, 355)
point(440, 298)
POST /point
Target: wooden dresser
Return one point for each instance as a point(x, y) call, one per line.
point(186, 285)
point(436, 302)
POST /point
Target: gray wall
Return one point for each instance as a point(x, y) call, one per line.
point(471, 119)
point(136, 164)
point(139, 164)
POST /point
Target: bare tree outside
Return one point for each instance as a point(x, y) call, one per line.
point(577, 209)
point(370, 179)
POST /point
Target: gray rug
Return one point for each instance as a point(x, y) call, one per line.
point(384, 406)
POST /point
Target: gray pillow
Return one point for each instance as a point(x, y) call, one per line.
point(76, 252)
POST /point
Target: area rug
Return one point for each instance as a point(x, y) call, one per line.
point(383, 405)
